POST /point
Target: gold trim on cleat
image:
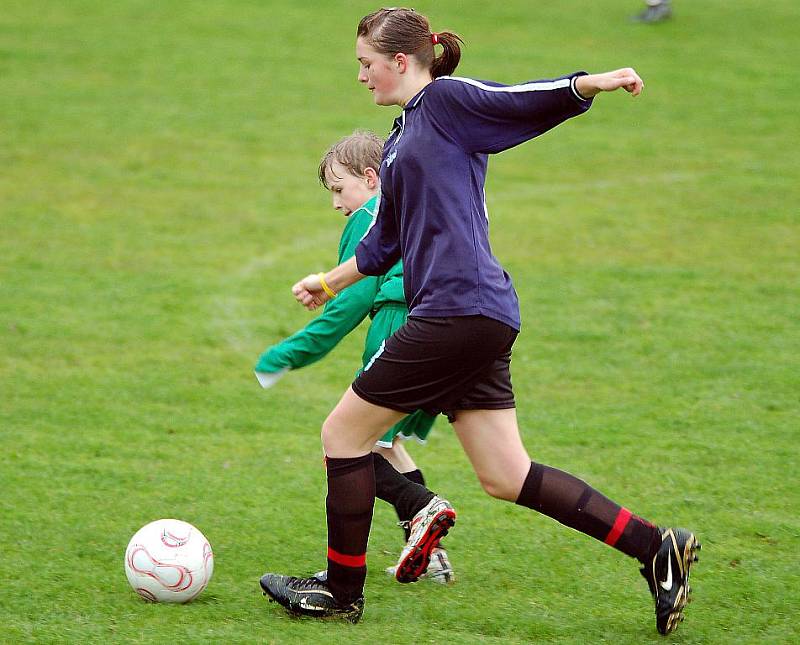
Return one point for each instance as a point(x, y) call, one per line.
point(684, 562)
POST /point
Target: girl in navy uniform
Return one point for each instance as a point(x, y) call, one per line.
point(349, 170)
point(453, 354)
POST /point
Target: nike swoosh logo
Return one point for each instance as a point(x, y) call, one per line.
point(307, 605)
point(666, 585)
point(305, 602)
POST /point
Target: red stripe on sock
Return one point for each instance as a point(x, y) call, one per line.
point(347, 560)
point(623, 517)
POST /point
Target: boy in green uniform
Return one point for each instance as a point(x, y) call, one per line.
point(349, 170)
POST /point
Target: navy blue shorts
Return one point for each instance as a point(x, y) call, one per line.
point(442, 365)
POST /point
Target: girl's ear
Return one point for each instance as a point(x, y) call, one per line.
point(401, 62)
point(371, 175)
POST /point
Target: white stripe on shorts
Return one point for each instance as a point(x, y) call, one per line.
point(375, 355)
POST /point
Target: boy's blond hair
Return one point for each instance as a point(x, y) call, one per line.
point(356, 152)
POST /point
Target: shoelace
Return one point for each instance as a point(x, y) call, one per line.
point(306, 584)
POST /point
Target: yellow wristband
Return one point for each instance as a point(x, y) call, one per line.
point(331, 293)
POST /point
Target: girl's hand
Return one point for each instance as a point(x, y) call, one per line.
point(625, 78)
point(309, 293)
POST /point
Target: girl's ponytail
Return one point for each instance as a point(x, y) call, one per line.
point(446, 63)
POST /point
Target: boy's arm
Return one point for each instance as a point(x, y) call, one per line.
point(338, 319)
point(321, 335)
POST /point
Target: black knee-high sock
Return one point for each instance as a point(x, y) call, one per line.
point(405, 491)
point(574, 503)
point(417, 477)
point(351, 497)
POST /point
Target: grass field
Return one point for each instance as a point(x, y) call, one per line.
point(157, 200)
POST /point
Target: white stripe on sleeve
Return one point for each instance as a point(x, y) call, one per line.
point(538, 86)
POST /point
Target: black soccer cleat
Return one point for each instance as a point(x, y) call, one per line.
point(309, 597)
point(668, 576)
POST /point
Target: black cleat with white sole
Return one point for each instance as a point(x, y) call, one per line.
point(668, 576)
point(309, 597)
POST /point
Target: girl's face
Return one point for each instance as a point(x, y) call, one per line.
point(380, 74)
point(349, 191)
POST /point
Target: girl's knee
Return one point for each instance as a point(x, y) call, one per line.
point(503, 488)
point(340, 439)
point(331, 439)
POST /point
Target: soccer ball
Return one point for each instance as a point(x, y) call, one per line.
point(169, 561)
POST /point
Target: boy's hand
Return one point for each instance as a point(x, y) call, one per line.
point(268, 379)
point(309, 293)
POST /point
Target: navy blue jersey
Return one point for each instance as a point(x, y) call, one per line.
point(433, 210)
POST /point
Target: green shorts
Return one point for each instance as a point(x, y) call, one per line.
point(388, 319)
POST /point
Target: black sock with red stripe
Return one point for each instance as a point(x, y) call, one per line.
point(574, 503)
point(351, 496)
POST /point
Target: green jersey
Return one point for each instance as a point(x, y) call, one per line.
point(345, 312)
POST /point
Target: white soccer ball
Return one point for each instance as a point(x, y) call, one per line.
point(169, 561)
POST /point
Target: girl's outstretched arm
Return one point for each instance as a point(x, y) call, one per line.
point(625, 78)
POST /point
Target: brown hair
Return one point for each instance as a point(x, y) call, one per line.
point(391, 31)
point(356, 152)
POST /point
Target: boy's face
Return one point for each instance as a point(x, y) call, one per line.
point(348, 190)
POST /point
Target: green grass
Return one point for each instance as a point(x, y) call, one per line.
point(158, 198)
